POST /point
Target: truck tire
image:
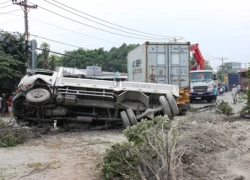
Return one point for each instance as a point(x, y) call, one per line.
point(38, 96)
point(125, 119)
point(131, 116)
point(173, 104)
point(209, 100)
point(165, 106)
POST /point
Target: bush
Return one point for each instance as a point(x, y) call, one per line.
point(12, 136)
point(224, 107)
point(146, 155)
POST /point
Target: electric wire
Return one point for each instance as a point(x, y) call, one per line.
point(11, 11)
point(72, 30)
point(57, 41)
point(90, 25)
point(11, 21)
point(101, 23)
point(4, 2)
point(1, 7)
point(211, 56)
point(110, 22)
point(66, 29)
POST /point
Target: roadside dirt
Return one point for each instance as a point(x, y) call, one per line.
point(57, 155)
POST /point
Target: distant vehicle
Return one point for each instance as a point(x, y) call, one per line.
point(202, 81)
point(46, 96)
point(233, 78)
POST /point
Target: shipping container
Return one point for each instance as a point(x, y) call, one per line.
point(232, 79)
point(162, 63)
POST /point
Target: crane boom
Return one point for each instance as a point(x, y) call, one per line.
point(200, 62)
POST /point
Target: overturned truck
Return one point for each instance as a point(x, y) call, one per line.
point(46, 96)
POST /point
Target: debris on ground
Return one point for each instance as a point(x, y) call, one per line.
point(200, 145)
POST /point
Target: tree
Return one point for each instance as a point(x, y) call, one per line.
point(206, 66)
point(12, 47)
point(8, 66)
point(43, 58)
point(53, 61)
point(223, 70)
point(113, 60)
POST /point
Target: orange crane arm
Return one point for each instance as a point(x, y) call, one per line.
point(200, 62)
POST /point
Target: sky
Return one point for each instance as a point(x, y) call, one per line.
point(220, 27)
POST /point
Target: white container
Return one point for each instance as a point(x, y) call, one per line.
point(162, 63)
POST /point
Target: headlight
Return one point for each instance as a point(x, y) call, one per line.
point(23, 87)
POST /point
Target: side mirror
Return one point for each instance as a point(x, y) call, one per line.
point(214, 77)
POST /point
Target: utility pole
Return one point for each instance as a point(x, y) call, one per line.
point(222, 60)
point(26, 9)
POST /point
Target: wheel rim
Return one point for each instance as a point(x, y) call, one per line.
point(38, 94)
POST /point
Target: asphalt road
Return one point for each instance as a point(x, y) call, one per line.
point(226, 97)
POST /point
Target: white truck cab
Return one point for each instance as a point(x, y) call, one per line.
point(202, 83)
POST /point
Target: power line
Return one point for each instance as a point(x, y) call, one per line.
point(58, 53)
point(72, 31)
point(49, 40)
point(211, 55)
point(92, 26)
point(11, 21)
point(110, 22)
point(11, 11)
point(4, 2)
point(57, 41)
point(99, 22)
point(5, 6)
point(66, 29)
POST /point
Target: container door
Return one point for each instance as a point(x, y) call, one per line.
point(179, 65)
point(157, 64)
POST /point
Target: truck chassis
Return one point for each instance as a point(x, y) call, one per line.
point(46, 96)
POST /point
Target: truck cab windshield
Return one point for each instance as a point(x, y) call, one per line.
point(201, 76)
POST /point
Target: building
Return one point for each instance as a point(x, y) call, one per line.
point(234, 67)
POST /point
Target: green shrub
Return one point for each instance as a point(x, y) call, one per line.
point(120, 162)
point(11, 136)
point(144, 155)
point(224, 107)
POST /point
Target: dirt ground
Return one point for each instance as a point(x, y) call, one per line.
point(74, 154)
point(57, 155)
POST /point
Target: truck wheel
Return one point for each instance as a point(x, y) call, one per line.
point(173, 104)
point(125, 119)
point(165, 106)
point(131, 117)
point(38, 96)
point(209, 100)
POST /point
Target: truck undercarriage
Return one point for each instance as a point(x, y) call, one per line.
point(47, 96)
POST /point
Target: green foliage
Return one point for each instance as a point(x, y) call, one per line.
point(224, 69)
point(12, 59)
point(45, 60)
point(113, 60)
point(224, 107)
point(206, 66)
point(8, 66)
point(146, 149)
point(11, 137)
point(120, 162)
point(138, 132)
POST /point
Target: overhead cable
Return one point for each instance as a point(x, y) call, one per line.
point(94, 26)
point(11, 21)
point(71, 30)
point(102, 23)
point(11, 11)
point(5, 6)
point(58, 41)
point(111, 22)
point(4, 2)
